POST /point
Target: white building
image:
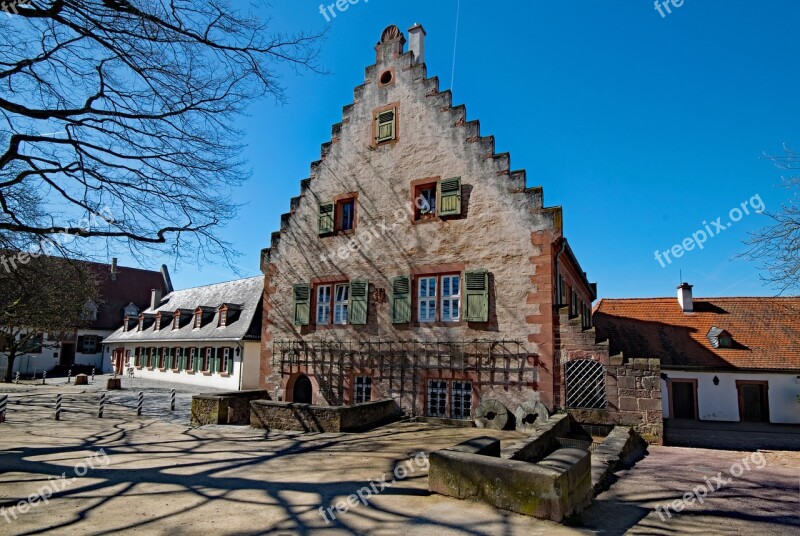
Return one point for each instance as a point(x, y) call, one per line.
point(208, 336)
point(722, 359)
point(122, 291)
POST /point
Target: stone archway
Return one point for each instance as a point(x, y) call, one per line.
point(302, 390)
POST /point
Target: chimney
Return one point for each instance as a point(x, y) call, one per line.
point(416, 43)
point(685, 297)
point(114, 269)
point(155, 299)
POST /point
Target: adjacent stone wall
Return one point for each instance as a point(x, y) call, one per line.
point(328, 419)
point(224, 408)
point(633, 386)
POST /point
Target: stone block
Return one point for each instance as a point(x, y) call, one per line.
point(626, 382)
point(648, 404)
point(81, 379)
point(628, 403)
point(112, 384)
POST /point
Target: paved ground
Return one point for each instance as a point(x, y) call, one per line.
point(731, 435)
point(158, 476)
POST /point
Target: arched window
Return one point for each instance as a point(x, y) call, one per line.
point(585, 381)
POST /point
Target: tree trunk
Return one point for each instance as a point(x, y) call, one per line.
point(12, 356)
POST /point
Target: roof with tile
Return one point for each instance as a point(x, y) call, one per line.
point(765, 331)
point(244, 324)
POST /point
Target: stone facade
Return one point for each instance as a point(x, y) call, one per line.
point(503, 228)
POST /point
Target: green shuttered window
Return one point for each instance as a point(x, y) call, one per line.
point(386, 127)
point(302, 304)
point(401, 300)
point(326, 213)
point(450, 197)
point(476, 296)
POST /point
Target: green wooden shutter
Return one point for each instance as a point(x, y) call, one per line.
point(386, 127)
point(198, 357)
point(477, 296)
point(401, 300)
point(326, 212)
point(229, 368)
point(217, 359)
point(302, 304)
point(359, 302)
point(450, 197)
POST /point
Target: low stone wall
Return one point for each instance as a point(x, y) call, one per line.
point(559, 486)
point(290, 416)
point(622, 446)
point(225, 408)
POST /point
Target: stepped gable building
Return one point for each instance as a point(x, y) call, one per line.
point(416, 264)
point(207, 336)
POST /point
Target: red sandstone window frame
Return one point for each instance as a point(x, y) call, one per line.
point(415, 299)
point(324, 282)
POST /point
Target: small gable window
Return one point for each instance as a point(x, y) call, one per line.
point(345, 215)
point(437, 198)
point(337, 216)
point(198, 320)
point(223, 318)
point(386, 126)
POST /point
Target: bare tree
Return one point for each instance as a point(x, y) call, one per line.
point(777, 247)
point(42, 295)
point(124, 111)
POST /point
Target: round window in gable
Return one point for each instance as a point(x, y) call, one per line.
point(386, 78)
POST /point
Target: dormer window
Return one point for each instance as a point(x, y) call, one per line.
point(223, 318)
point(198, 320)
point(176, 321)
point(719, 338)
point(158, 322)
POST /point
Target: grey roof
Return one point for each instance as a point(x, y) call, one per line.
point(244, 325)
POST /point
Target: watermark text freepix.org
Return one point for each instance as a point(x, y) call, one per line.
point(364, 495)
point(710, 230)
point(339, 5)
point(715, 483)
point(54, 485)
point(664, 7)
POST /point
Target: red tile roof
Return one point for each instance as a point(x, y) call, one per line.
point(765, 331)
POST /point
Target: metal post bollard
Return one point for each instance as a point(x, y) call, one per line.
point(92, 374)
point(139, 403)
point(44, 377)
point(172, 400)
point(3, 404)
point(17, 379)
point(58, 407)
point(102, 405)
point(69, 376)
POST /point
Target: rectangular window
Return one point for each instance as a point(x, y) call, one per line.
point(207, 360)
point(426, 299)
point(437, 398)
point(192, 359)
point(223, 318)
point(451, 298)
point(425, 201)
point(223, 367)
point(345, 215)
point(363, 389)
point(340, 305)
point(461, 401)
point(176, 322)
point(198, 320)
point(89, 344)
point(324, 305)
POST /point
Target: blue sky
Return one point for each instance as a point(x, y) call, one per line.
point(641, 127)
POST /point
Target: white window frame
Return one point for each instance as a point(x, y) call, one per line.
point(340, 306)
point(223, 318)
point(424, 302)
point(198, 320)
point(226, 353)
point(324, 306)
point(362, 390)
point(453, 300)
point(207, 360)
